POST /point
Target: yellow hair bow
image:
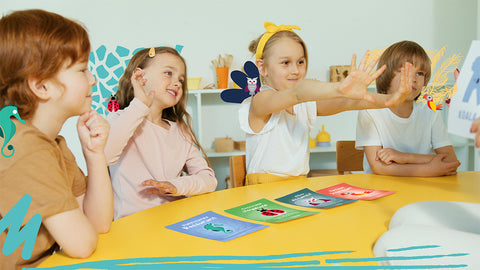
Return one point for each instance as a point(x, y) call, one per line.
point(272, 29)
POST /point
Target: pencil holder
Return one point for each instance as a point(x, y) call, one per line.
point(222, 77)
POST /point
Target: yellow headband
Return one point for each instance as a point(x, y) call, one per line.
point(272, 29)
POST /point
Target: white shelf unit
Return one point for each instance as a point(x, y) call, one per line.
point(195, 110)
point(196, 107)
point(213, 117)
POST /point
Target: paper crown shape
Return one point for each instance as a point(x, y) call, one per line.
point(323, 138)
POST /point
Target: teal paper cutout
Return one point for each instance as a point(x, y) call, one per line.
point(8, 128)
point(16, 236)
point(107, 66)
point(250, 262)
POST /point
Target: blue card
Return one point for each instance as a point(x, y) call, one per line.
point(213, 226)
point(312, 199)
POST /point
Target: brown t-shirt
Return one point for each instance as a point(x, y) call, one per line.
point(45, 169)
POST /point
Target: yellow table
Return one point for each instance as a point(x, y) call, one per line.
point(352, 227)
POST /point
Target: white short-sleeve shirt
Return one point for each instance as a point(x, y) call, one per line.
point(282, 146)
point(420, 133)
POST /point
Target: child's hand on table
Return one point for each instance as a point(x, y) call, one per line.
point(138, 91)
point(158, 187)
point(443, 167)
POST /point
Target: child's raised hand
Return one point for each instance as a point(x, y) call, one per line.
point(355, 85)
point(93, 132)
point(405, 87)
point(138, 91)
point(158, 187)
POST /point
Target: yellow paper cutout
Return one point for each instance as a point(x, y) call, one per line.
point(436, 86)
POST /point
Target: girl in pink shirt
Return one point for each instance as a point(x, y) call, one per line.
point(151, 143)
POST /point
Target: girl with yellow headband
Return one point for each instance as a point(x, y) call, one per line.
point(278, 119)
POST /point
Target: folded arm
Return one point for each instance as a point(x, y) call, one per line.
point(422, 165)
point(354, 87)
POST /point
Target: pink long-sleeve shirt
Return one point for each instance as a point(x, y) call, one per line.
point(138, 150)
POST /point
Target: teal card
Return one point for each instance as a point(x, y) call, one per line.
point(312, 199)
point(268, 211)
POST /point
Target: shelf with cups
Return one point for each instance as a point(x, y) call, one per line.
point(212, 154)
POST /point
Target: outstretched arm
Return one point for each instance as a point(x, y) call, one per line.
point(354, 87)
point(436, 165)
point(333, 106)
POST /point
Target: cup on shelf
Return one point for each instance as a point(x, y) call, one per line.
point(193, 83)
point(222, 77)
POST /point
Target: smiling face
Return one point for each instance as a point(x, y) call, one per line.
point(72, 87)
point(285, 64)
point(165, 76)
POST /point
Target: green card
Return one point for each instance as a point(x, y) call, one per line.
point(268, 211)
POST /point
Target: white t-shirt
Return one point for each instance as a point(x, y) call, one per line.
point(420, 133)
point(282, 146)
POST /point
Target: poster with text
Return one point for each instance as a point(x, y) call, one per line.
point(347, 191)
point(312, 199)
point(214, 226)
point(267, 211)
point(465, 104)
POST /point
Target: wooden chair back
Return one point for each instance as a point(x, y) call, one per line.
point(348, 158)
point(238, 170)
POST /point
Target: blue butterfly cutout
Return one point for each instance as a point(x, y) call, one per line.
point(249, 84)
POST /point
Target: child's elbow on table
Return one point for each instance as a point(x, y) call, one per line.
point(82, 249)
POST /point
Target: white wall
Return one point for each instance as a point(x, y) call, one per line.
point(477, 153)
point(332, 30)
